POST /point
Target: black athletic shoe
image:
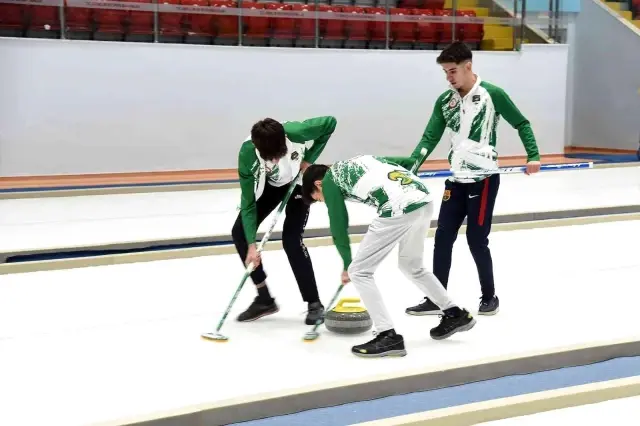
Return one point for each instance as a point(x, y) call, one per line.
point(451, 323)
point(258, 309)
point(489, 307)
point(427, 307)
point(387, 343)
point(315, 313)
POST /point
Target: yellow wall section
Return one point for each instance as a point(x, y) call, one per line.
point(496, 37)
point(614, 5)
point(448, 4)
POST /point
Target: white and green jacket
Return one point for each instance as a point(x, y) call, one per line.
point(305, 141)
point(471, 124)
point(381, 182)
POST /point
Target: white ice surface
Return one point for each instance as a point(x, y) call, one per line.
point(99, 343)
point(104, 219)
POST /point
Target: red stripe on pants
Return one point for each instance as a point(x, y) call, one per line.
point(483, 202)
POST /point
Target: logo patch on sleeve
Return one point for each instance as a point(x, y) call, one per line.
point(399, 175)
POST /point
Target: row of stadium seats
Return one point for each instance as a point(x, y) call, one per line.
point(635, 9)
point(633, 6)
point(126, 25)
point(628, 9)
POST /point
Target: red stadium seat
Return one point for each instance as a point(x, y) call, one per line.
point(357, 31)
point(170, 23)
point(377, 29)
point(402, 32)
point(140, 23)
point(445, 29)
point(426, 31)
point(434, 4)
point(410, 4)
point(284, 29)
point(225, 26)
point(110, 23)
point(471, 33)
point(333, 29)
point(421, 4)
point(255, 27)
point(12, 19)
point(44, 15)
point(78, 21)
point(199, 25)
point(306, 26)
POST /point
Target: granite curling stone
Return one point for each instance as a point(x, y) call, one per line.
point(348, 319)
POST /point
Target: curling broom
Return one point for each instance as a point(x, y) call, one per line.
point(216, 336)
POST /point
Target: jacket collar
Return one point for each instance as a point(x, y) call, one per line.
point(473, 89)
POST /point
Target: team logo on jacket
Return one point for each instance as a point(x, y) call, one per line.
point(399, 175)
point(452, 102)
point(294, 155)
point(447, 195)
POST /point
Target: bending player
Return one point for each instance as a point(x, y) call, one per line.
point(470, 110)
point(269, 161)
point(404, 216)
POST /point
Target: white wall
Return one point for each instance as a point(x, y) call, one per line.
point(606, 80)
point(96, 107)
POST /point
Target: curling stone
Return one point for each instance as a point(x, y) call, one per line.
point(348, 319)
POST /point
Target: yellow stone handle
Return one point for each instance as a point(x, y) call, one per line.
point(347, 300)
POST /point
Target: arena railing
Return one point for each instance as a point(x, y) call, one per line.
point(371, 24)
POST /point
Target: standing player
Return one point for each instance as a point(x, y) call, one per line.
point(470, 111)
point(404, 216)
point(269, 161)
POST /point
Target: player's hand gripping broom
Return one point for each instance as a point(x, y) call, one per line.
point(216, 336)
point(313, 333)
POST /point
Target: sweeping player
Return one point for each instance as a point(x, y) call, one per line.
point(469, 111)
point(269, 161)
point(404, 211)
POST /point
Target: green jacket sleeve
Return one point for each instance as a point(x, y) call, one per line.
point(432, 133)
point(506, 108)
point(318, 129)
point(246, 161)
point(338, 218)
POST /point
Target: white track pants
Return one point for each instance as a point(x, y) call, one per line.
point(409, 231)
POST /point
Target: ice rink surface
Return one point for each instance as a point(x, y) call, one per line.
point(92, 344)
point(45, 223)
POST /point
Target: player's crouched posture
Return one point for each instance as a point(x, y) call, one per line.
point(268, 162)
point(404, 216)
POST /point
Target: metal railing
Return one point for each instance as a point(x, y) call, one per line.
point(370, 24)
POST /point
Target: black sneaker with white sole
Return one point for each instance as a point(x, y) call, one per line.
point(489, 307)
point(315, 313)
point(452, 322)
point(427, 307)
point(387, 343)
point(258, 309)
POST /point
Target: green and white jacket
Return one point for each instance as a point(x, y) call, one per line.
point(471, 124)
point(384, 183)
point(305, 141)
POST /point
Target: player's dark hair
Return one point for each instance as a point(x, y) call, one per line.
point(457, 52)
point(313, 173)
point(269, 139)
